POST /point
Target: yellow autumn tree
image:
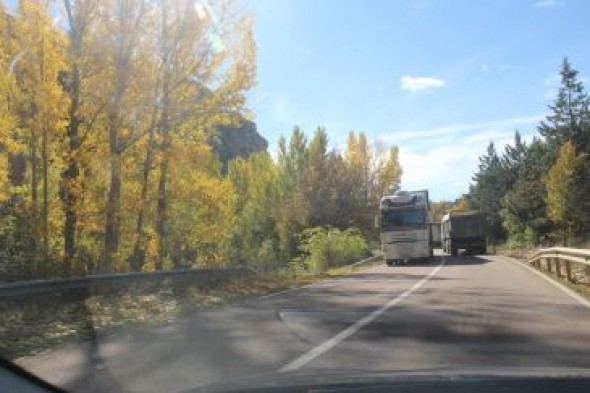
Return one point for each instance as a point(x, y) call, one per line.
point(373, 172)
point(8, 144)
point(208, 63)
point(42, 104)
point(256, 182)
point(460, 205)
point(388, 173)
point(201, 208)
point(107, 118)
point(564, 198)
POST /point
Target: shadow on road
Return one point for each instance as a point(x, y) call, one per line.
point(461, 317)
point(486, 326)
point(470, 325)
point(465, 260)
point(392, 274)
point(449, 261)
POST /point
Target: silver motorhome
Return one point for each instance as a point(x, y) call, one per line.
point(405, 231)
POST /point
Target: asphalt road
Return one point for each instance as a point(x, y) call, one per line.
point(457, 312)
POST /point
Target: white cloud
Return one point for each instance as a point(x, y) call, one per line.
point(508, 124)
point(551, 86)
point(436, 168)
point(494, 67)
point(443, 159)
point(282, 108)
point(274, 153)
point(548, 3)
point(415, 83)
point(551, 80)
point(447, 170)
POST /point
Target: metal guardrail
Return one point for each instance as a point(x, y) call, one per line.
point(557, 259)
point(40, 286)
point(368, 259)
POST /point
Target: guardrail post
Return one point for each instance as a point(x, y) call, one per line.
point(553, 260)
point(568, 271)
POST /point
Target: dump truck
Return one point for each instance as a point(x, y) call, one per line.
point(435, 237)
point(464, 230)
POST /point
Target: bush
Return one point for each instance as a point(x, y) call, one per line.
point(268, 258)
point(526, 240)
point(323, 248)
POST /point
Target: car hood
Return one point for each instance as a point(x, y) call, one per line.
point(346, 378)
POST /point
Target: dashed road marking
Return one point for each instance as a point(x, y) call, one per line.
point(352, 329)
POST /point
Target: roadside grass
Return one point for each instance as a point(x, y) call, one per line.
point(581, 284)
point(376, 260)
point(520, 253)
point(582, 289)
point(46, 321)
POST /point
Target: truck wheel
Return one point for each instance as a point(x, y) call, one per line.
point(389, 262)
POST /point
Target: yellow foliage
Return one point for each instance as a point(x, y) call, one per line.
point(563, 202)
point(460, 205)
point(205, 87)
point(201, 214)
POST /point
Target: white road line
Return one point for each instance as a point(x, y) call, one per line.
point(352, 329)
point(582, 300)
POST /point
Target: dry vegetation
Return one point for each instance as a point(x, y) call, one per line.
point(39, 322)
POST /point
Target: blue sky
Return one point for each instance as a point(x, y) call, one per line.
point(439, 79)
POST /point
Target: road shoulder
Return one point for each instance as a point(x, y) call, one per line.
point(552, 281)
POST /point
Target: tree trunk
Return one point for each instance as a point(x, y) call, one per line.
point(161, 214)
point(111, 242)
point(34, 228)
point(138, 258)
point(45, 169)
point(162, 206)
point(17, 164)
point(45, 220)
point(69, 189)
point(122, 58)
point(111, 239)
point(69, 199)
point(162, 210)
point(69, 177)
